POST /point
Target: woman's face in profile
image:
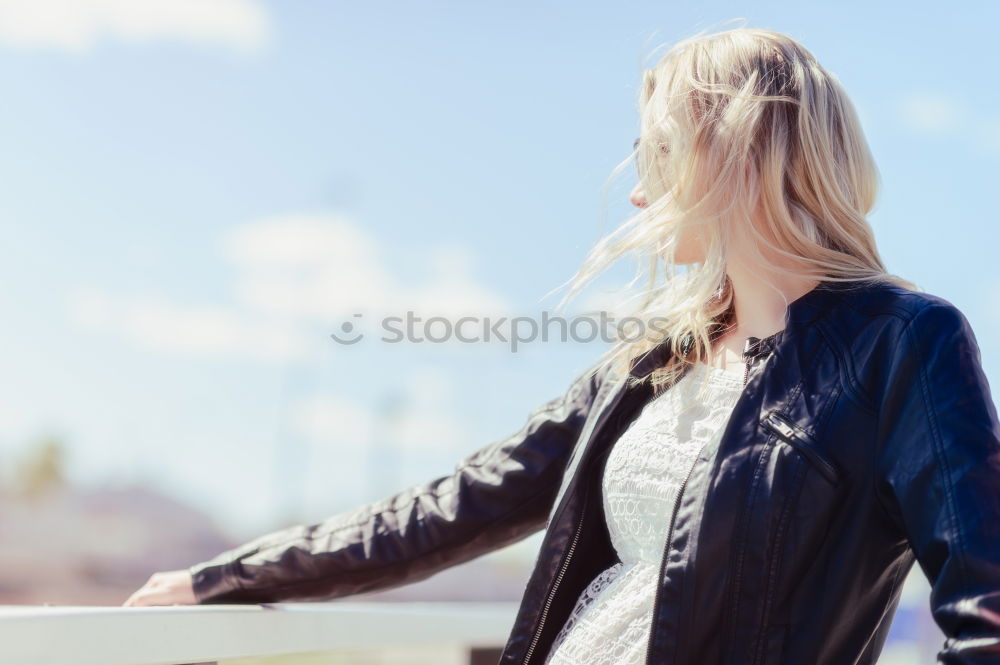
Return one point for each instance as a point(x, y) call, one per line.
point(689, 245)
point(689, 248)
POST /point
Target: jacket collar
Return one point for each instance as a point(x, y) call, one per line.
point(799, 313)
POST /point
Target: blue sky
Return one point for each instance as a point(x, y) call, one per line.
point(194, 196)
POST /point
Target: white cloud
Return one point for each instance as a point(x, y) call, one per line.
point(77, 25)
point(423, 419)
point(332, 417)
point(204, 330)
point(937, 113)
point(418, 418)
point(452, 291)
point(307, 266)
point(324, 266)
point(291, 274)
point(356, 446)
point(931, 112)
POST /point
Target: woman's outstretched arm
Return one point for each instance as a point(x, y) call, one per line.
point(496, 496)
point(939, 473)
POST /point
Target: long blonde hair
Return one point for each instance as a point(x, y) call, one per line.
point(743, 135)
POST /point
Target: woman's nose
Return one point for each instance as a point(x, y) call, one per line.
point(638, 197)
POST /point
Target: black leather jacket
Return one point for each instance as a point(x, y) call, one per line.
point(865, 439)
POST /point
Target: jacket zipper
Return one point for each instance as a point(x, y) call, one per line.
point(555, 584)
point(673, 515)
point(663, 559)
point(576, 536)
point(749, 351)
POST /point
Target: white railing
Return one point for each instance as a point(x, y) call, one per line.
point(267, 633)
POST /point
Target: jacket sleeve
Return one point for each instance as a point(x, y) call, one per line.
point(496, 496)
point(939, 466)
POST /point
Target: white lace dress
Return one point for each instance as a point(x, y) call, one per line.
point(611, 621)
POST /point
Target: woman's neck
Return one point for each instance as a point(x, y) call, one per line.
point(759, 311)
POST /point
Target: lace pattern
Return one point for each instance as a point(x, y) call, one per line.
point(610, 623)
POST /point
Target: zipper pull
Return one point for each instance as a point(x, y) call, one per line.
point(749, 351)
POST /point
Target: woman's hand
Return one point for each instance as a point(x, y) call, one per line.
point(172, 587)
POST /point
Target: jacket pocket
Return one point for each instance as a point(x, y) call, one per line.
point(793, 435)
point(794, 496)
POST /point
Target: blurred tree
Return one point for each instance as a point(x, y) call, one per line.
point(40, 470)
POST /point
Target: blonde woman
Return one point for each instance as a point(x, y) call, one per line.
point(749, 481)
